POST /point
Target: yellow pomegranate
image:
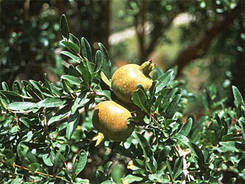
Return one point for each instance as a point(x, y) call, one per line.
point(111, 119)
point(126, 79)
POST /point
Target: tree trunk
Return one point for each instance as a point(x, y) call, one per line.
point(140, 30)
point(108, 23)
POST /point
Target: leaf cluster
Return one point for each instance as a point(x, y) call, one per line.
point(46, 130)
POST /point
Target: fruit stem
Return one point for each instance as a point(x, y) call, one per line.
point(147, 67)
point(98, 138)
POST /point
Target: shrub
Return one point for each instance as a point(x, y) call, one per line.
point(46, 131)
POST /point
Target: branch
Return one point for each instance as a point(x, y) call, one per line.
point(35, 172)
point(201, 46)
point(160, 29)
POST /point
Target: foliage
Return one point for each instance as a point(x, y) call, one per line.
point(28, 36)
point(30, 33)
point(46, 130)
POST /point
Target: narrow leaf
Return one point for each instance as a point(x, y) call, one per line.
point(238, 100)
point(172, 108)
point(86, 49)
point(186, 128)
point(74, 39)
point(105, 79)
point(81, 163)
point(98, 60)
point(18, 106)
point(50, 102)
point(178, 167)
point(72, 124)
point(72, 56)
point(164, 80)
point(64, 27)
point(139, 98)
point(106, 68)
point(132, 179)
point(71, 46)
point(72, 79)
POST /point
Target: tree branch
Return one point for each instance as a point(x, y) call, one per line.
point(35, 172)
point(201, 46)
point(156, 36)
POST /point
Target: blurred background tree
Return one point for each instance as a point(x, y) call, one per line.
point(204, 38)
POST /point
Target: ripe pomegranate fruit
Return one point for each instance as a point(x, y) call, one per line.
point(111, 119)
point(126, 79)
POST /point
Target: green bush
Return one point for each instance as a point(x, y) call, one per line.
point(46, 133)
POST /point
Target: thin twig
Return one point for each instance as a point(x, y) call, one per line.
point(35, 172)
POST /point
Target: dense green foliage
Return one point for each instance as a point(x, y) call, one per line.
point(46, 130)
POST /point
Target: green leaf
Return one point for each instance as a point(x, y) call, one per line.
point(57, 161)
point(172, 108)
point(86, 76)
point(139, 98)
point(169, 169)
point(131, 179)
point(86, 49)
point(241, 122)
point(157, 72)
point(107, 182)
point(16, 87)
point(72, 79)
point(90, 67)
point(25, 121)
point(146, 149)
point(186, 128)
point(98, 60)
point(73, 121)
point(81, 163)
point(63, 112)
point(80, 101)
point(178, 167)
point(200, 157)
point(5, 86)
point(164, 80)
point(20, 106)
point(37, 88)
point(17, 181)
point(66, 86)
point(34, 166)
point(71, 46)
point(238, 100)
point(81, 181)
point(74, 39)
point(10, 156)
point(64, 27)
point(106, 68)
point(117, 174)
point(50, 102)
point(194, 148)
point(13, 95)
point(228, 146)
point(105, 79)
point(47, 159)
point(72, 56)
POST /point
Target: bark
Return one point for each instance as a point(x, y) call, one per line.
point(108, 23)
point(201, 46)
point(140, 30)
